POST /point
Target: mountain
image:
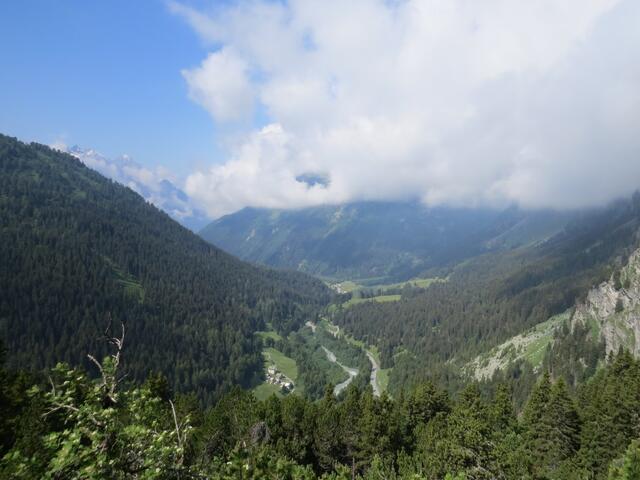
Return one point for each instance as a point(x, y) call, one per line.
point(375, 242)
point(154, 186)
point(576, 342)
point(435, 328)
point(79, 251)
point(612, 309)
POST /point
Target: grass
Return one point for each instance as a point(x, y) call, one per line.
point(379, 298)
point(348, 286)
point(414, 282)
point(370, 284)
point(283, 363)
point(132, 287)
point(383, 378)
point(265, 390)
point(272, 334)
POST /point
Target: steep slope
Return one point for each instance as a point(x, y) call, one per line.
point(77, 249)
point(375, 240)
point(495, 296)
point(611, 311)
point(573, 343)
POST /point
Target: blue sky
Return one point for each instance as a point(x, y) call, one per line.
point(104, 75)
point(455, 103)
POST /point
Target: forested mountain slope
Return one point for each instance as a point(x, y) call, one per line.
point(494, 296)
point(573, 343)
point(78, 250)
point(376, 241)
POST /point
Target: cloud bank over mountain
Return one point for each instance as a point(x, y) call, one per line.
point(452, 102)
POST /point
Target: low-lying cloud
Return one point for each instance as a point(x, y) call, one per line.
point(453, 102)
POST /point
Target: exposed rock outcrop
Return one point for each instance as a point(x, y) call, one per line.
point(612, 309)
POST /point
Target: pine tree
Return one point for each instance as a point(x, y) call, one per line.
point(326, 442)
point(424, 402)
point(563, 423)
point(627, 467)
point(502, 411)
point(470, 449)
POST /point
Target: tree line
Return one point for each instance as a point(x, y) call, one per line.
point(67, 424)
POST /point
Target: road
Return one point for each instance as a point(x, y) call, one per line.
point(351, 371)
point(375, 368)
point(374, 374)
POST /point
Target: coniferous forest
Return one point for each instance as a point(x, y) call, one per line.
point(130, 348)
point(320, 240)
point(80, 251)
point(70, 426)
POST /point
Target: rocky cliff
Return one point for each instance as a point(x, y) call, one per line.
point(612, 309)
point(611, 312)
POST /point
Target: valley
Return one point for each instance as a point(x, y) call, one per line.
point(318, 373)
point(308, 240)
point(318, 336)
point(377, 242)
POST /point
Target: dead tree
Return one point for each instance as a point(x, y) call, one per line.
point(109, 367)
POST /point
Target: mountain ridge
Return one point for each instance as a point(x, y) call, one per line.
point(384, 240)
point(79, 248)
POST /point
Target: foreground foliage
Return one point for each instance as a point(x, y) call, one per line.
point(70, 426)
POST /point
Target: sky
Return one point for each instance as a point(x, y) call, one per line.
point(452, 102)
point(103, 75)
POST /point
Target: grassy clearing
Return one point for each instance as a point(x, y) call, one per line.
point(530, 346)
point(383, 378)
point(132, 287)
point(414, 282)
point(265, 390)
point(272, 334)
point(283, 363)
point(379, 298)
point(349, 286)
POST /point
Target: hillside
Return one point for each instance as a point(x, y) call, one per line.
point(376, 242)
point(575, 343)
point(78, 251)
point(494, 297)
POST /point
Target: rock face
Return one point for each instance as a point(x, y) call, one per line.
point(612, 309)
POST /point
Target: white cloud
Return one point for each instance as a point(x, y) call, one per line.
point(451, 101)
point(220, 85)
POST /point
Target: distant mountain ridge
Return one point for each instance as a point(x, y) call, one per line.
point(376, 240)
point(152, 185)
